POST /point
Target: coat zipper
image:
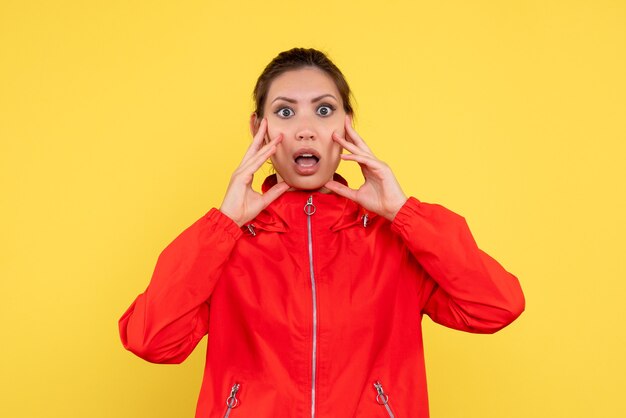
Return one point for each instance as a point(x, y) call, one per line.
point(232, 402)
point(382, 398)
point(309, 209)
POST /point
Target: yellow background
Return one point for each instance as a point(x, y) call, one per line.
point(121, 121)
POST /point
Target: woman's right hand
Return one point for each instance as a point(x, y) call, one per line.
point(241, 203)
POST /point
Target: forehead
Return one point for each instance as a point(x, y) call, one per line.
point(302, 84)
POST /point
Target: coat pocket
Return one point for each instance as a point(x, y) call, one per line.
point(232, 401)
point(382, 399)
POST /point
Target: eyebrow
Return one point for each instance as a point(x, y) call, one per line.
point(316, 99)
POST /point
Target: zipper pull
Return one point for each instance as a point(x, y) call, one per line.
point(381, 396)
point(232, 401)
point(309, 208)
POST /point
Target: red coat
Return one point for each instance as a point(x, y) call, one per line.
point(317, 315)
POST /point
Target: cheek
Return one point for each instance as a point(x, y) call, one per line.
point(325, 131)
point(273, 131)
point(338, 127)
point(277, 126)
point(328, 135)
point(333, 153)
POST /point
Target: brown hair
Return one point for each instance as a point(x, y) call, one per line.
point(295, 59)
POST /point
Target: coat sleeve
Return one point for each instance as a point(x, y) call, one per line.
point(465, 288)
point(166, 322)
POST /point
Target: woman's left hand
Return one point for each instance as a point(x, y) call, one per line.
point(381, 193)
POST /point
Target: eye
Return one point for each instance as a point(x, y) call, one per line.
point(325, 110)
point(284, 112)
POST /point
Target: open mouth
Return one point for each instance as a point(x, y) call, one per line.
point(306, 161)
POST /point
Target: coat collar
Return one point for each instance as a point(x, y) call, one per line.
point(338, 211)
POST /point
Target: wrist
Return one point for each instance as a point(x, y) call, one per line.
point(232, 218)
point(395, 208)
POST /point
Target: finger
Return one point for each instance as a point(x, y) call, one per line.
point(271, 144)
point(366, 160)
point(274, 192)
point(347, 145)
point(354, 136)
point(266, 151)
point(257, 140)
point(341, 190)
point(369, 166)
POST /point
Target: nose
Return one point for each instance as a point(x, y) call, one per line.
point(305, 134)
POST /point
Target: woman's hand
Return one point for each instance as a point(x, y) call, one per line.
point(381, 193)
point(241, 203)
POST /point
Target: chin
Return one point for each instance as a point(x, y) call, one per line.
point(307, 185)
point(308, 182)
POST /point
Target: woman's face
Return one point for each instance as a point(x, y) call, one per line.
point(305, 106)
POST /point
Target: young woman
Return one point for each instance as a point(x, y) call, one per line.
point(312, 293)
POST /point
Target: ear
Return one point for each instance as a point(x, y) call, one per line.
point(254, 123)
point(351, 118)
